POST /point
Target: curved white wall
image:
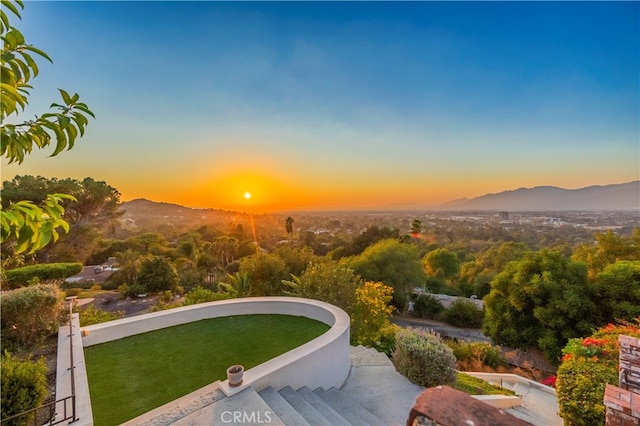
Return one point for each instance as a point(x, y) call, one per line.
point(323, 362)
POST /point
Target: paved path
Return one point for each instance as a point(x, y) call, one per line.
point(444, 329)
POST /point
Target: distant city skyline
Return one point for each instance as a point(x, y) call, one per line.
point(339, 105)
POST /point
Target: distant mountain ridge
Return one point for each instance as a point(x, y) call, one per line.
point(615, 197)
point(623, 196)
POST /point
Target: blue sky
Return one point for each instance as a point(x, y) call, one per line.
point(341, 104)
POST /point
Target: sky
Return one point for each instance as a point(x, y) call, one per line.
point(339, 105)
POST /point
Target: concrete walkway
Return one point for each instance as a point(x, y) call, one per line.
point(539, 402)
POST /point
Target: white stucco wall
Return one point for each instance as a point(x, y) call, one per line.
point(323, 362)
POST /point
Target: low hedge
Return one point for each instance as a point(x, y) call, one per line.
point(21, 277)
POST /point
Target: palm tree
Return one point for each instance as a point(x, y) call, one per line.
point(288, 223)
point(238, 285)
point(128, 263)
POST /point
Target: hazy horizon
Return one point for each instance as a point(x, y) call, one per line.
point(336, 106)
point(399, 207)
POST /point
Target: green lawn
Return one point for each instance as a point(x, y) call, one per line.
point(131, 376)
point(475, 386)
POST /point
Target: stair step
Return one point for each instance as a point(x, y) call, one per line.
point(246, 408)
point(348, 408)
point(310, 414)
point(333, 417)
point(370, 357)
point(282, 408)
point(357, 349)
point(382, 391)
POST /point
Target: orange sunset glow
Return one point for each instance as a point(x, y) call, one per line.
point(333, 106)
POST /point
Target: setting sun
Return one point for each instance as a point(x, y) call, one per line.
point(247, 195)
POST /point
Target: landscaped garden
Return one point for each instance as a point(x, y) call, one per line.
point(131, 376)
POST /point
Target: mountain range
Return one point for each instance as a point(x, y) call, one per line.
point(623, 196)
point(615, 197)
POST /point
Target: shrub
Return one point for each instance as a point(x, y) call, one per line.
point(156, 274)
point(371, 313)
point(109, 285)
point(30, 314)
point(423, 358)
point(587, 366)
point(472, 356)
point(386, 341)
point(92, 315)
point(86, 285)
point(190, 279)
point(132, 290)
point(24, 386)
point(43, 272)
point(427, 306)
point(202, 295)
point(463, 313)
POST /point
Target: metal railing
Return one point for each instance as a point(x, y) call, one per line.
point(49, 418)
point(42, 417)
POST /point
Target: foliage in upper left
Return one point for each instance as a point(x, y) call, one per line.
point(24, 223)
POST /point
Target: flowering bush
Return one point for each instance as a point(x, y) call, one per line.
point(587, 366)
point(371, 313)
point(550, 381)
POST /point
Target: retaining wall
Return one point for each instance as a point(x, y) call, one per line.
point(323, 362)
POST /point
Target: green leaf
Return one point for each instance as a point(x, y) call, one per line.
point(4, 19)
point(16, 71)
point(83, 108)
point(32, 64)
point(37, 51)
point(15, 37)
point(25, 69)
point(72, 132)
point(11, 7)
point(65, 97)
point(63, 121)
point(10, 40)
point(61, 141)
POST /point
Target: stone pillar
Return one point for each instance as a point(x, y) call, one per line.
point(629, 363)
point(622, 402)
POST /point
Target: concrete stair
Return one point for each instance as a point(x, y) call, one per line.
point(388, 403)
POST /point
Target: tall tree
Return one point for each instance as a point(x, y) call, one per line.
point(608, 248)
point(393, 263)
point(288, 223)
point(26, 225)
point(157, 273)
point(329, 281)
point(93, 213)
point(441, 263)
point(267, 272)
point(540, 301)
point(416, 228)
